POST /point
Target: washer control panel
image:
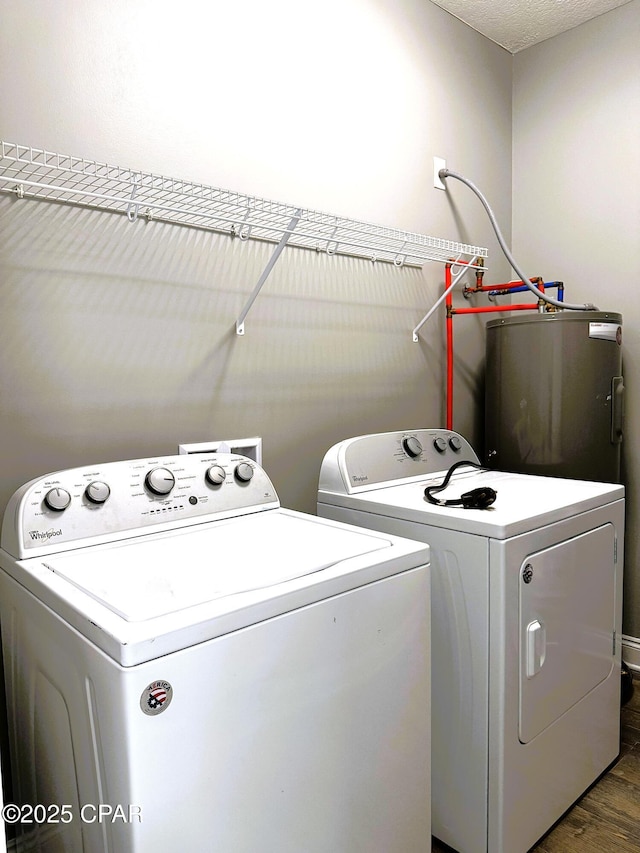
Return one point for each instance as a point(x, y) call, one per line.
point(370, 461)
point(99, 503)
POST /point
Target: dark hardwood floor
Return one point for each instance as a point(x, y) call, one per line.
point(607, 818)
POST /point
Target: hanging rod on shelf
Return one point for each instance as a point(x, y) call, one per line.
point(40, 174)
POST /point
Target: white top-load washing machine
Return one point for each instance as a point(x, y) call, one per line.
point(191, 667)
point(526, 621)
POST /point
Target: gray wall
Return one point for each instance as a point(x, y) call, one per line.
point(118, 339)
point(576, 199)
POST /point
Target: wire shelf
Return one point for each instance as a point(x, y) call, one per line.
point(35, 173)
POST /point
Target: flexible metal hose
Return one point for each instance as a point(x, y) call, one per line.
point(445, 173)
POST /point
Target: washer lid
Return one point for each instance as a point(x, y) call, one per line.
point(143, 598)
point(157, 576)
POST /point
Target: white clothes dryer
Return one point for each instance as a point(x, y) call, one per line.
point(526, 627)
point(191, 667)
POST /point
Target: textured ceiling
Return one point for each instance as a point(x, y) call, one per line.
point(517, 24)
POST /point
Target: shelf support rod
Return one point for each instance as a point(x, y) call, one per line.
point(267, 270)
point(442, 298)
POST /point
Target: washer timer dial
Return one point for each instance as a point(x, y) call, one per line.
point(160, 481)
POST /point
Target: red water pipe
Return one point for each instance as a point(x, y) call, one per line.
point(479, 288)
point(527, 306)
point(449, 325)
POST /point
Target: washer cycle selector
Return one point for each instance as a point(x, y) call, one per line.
point(243, 472)
point(57, 499)
point(215, 475)
point(97, 492)
point(411, 446)
point(160, 481)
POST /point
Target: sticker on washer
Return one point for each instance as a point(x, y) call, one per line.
point(606, 332)
point(156, 697)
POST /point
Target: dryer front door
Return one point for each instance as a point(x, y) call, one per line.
point(567, 624)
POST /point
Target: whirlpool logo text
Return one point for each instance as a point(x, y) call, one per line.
point(45, 535)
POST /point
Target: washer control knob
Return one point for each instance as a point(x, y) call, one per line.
point(57, 499)
point(215, 475)
point(455, 443)
point(160, 481)
point(97, 492)
point(440, 444)
point(243, 472)
point(411, 446)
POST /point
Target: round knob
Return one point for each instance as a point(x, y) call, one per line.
point(455, 443)
point(440, 444)
point(216, 475)
point(160, 481)
point(57, 499)
point(243, 472)
point(97, 492)
point(411, 446)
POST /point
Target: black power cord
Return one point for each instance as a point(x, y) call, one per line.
point(480, 498)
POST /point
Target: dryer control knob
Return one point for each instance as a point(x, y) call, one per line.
point(411, 446)
point(97, 492)
point(455, 443)
point(160, 481)
point(215, 475)
point(243, 472)
point(57, 499)
point(440, 444)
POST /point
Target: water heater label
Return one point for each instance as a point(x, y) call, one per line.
point(606, 332)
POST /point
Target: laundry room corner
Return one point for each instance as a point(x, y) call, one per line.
point(308, 223)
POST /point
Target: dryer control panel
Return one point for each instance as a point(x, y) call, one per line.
point(116, 500)
point(385, 458)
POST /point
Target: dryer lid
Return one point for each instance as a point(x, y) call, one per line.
point(524, 502)
point(158, 575)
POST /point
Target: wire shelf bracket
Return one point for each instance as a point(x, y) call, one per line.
point(39, 174)
point(265, 274)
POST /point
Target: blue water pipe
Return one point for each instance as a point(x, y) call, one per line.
point(520, 287)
